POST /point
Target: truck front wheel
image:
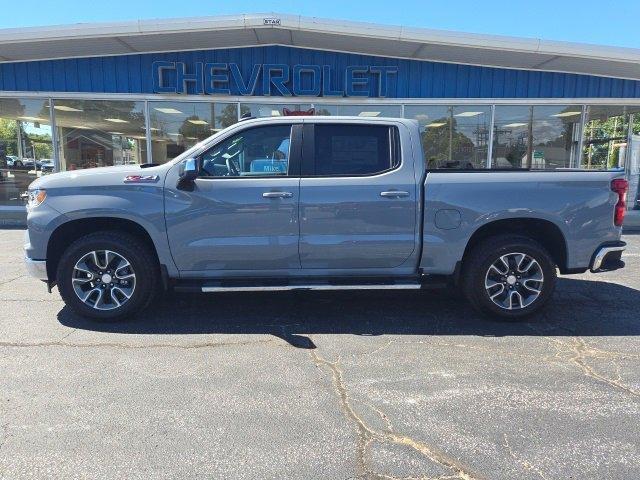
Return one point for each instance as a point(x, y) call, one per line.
point(508, 276)
point(107, 275)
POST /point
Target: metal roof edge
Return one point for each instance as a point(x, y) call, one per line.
point(320, 25)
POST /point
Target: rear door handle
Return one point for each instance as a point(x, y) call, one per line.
point(277, 195)
point(394, 194)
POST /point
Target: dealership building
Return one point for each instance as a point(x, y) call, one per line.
point(91, 95)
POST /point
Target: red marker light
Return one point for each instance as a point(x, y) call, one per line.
point(621, 187)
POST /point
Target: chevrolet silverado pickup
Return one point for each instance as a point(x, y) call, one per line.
point(318, 203)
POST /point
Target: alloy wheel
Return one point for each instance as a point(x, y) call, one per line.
point(514, 281)
point(103, 279)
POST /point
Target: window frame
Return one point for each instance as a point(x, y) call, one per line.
point(309, 151)
point(295, 153)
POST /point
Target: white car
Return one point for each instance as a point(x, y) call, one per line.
point(13, 161)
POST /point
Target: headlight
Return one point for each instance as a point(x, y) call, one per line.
point(36, 197)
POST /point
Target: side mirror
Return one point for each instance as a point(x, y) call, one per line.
point(188, 173)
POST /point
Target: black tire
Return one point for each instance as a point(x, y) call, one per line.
point(143, 263)
point(475, 273)
point(17, 164)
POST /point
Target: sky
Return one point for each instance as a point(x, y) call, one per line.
point(602, 22)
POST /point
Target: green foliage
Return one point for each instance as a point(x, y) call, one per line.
point(9, 136)
point(436, 143)
point(603, 139)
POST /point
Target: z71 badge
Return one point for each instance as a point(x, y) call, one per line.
point(141, 179)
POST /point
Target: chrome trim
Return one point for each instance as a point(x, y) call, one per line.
point(280, 288)
point(602, 253)
point(36, 268)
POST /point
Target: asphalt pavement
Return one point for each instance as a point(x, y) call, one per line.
point(298, 385)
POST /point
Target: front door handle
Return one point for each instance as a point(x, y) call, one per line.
point(277, 195)
point(394, 194)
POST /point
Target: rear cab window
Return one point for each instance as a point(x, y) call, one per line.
point(354, 150)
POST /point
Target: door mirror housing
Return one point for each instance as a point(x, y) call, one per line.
point(188, 173)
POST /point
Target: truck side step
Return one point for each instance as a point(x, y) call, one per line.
point(283, 284)
point(280, 285)
point(277, 288)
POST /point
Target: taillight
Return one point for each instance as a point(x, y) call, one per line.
point(621, 187)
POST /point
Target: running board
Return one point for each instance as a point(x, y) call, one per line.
point(319, 284)
point(280, 288)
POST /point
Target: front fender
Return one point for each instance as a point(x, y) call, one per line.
point(142, 204)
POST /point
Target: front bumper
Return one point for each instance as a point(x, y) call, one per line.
point(37, 268)
point(608, 257)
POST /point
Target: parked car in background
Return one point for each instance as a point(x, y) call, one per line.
point(13, 161)
point(318, 203)
point(30, 163)
point(46, 165)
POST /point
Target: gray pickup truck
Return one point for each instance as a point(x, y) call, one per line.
point(318, 203)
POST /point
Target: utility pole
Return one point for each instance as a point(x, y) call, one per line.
point(530, 139)
point(20, 145)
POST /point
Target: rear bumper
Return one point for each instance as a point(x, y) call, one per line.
point(608, 257)
point(36, 268)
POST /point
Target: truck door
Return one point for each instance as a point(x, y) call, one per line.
point(242, 212)
point(358, 197)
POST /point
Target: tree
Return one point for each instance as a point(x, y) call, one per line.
point(8, 136)
point(436, 144)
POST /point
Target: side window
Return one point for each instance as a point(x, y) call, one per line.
point(259, 151)
point(355, 149)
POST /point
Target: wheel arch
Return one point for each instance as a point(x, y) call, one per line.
point(70, 231)
point(545, 232)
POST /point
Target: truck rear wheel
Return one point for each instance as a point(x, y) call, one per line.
point(107, 275)
point(509, 276)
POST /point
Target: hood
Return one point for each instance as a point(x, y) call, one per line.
point(98, 177)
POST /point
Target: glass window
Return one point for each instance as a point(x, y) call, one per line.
point(372, 110)
point(453, 136)
point(253, 152)
point(325, 110)
point(178, 126)
point(605, 136)
point(542, 137)
point(26, 150)
point(258, 110)
point(352, 149)
point(99, 133)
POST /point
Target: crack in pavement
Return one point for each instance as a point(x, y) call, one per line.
point(125, 346)
point(367, 434)
point(525, 463)
point(381, 414)
point(67, 335)
point(12, 279)
point(582, 351)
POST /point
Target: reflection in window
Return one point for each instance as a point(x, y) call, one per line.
point(258, 110)
point(25, 146)
point(178, 126)
point(370, 110)
point(539, 137)
point(352, 149)
point(453, 136)
point(99, 133)
point(605, 136)
point(256, 151)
